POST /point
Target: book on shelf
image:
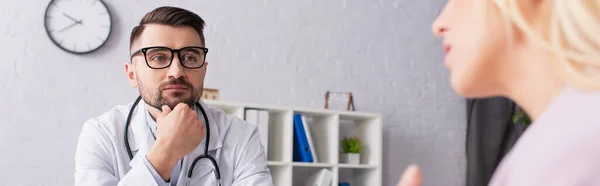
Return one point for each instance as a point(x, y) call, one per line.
point(309, 138)
point(260, 118)
point(304, 148)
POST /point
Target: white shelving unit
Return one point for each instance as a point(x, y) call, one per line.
point(327, 128)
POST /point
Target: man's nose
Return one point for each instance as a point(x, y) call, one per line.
point(176, 70)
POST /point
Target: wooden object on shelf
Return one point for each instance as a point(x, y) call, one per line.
point(349, 100)
point(210, 94)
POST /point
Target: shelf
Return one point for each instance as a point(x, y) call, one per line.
point(302, 164)
point(229, 108)
point(369, 132)
point(276, 163)
point(360, 177)
point(302, 174)
point(323, 129)
point(351, 166)
point(280, 128)
point(348, 114)
point(326, 129)
point(282, 175)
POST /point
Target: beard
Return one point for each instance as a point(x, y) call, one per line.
point(158, 99)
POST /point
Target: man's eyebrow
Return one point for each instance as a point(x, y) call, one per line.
point(195, 51)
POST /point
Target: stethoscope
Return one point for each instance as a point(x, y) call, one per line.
point(205, 155)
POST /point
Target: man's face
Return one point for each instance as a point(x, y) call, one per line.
point(174, 84)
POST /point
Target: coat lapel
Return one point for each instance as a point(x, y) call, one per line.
point(140, 138)
point(215, 137)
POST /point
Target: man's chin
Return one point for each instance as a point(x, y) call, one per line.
point(174, 103)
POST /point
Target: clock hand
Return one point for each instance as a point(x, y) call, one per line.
point(61, 30)
point(73, 19)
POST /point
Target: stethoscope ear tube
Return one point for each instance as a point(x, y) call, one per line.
point(127, 127)
point(205, 155)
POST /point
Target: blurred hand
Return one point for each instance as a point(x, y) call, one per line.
point(411, 176)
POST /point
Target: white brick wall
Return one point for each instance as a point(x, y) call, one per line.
point(282, 52)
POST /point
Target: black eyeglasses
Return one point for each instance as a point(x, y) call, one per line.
point(161, 57)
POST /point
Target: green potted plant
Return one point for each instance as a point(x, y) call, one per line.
point(351, 148)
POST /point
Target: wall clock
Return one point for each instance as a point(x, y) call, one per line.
point(78, 26)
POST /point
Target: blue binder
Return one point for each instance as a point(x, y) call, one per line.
point(302, 151)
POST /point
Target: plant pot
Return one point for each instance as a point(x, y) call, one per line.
point(351, 158)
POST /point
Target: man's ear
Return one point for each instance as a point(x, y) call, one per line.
point(130, 71)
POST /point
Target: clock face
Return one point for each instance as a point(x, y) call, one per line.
point(78, 26)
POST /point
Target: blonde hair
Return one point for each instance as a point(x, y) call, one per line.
point(574, 38)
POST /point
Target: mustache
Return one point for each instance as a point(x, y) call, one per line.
point(178, 81)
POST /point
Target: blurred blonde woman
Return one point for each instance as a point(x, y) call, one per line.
point(545, 56)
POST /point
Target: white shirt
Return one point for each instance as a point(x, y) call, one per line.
point(101, 158)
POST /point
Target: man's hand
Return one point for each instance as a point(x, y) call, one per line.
point(410, 177)
point(179, 132)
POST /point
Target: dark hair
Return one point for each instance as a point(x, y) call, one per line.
point(171, 16)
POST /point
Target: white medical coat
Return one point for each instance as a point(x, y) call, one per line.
point(101, 158)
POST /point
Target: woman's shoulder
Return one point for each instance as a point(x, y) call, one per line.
point(560, 148)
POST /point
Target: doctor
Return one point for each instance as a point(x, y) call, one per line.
point(167, 130)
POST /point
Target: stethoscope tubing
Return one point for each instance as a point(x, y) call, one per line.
point(205, 155)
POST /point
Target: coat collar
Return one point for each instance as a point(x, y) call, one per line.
point(141, 139)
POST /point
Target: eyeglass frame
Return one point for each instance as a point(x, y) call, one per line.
point(145, 49)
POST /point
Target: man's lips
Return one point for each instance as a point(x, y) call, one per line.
point(175, 87)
